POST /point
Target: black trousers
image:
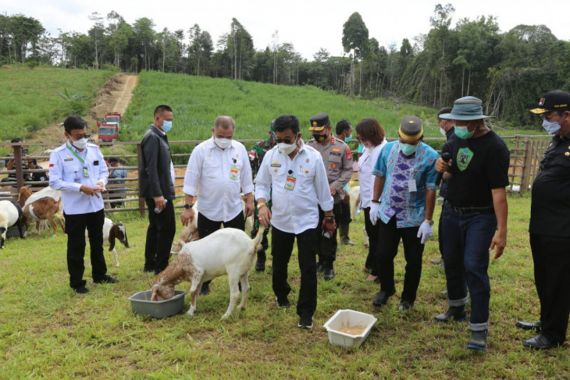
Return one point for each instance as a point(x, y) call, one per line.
point(372, 259)
point(75, 226)
point(207, 226)
point(551, 256)
point(390, 237)
point(159, 236)
point(326, 248)
point(281, 249)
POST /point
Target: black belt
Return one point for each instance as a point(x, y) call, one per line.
point(472, 209)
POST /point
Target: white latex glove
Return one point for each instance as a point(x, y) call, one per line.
point(374, 212)
point(425, 231)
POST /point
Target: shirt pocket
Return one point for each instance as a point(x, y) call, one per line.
point(71, 171)
point(334, 163)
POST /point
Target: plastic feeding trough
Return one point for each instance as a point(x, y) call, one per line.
point(349, 328)
point(141, 304)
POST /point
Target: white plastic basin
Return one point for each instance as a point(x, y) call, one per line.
point(349, 328)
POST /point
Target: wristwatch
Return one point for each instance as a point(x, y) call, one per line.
point(188, 206)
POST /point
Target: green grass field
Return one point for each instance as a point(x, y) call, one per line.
point(30, 98)
point(47, 331)
point(198, 100)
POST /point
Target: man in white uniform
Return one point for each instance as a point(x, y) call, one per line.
point(78, 169)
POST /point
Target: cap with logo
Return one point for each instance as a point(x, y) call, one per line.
point(319, 122)
point(410, 129)
point(555, 100)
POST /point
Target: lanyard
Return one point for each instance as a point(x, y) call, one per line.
point(75, 154)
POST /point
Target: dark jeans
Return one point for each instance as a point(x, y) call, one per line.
point(390, 237)
point(372, 260)
point(281, 248)
point(551, 258)
point(326, 248)
point(75, 226)
point(159, 236)
point(466, 239)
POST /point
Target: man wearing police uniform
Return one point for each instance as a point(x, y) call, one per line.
point(550, 225)
point(337, 158)
point(78, 169)
point(256, 155)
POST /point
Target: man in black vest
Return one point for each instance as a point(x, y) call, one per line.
point(550, 225)
point(156, 173)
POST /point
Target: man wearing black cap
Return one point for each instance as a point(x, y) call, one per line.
point(402, 207)
point(337, 158)
point(474, 215)
point(550, 225)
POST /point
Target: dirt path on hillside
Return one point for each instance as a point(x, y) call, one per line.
point(114, 96)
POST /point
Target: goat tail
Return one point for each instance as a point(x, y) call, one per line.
point(258, 238)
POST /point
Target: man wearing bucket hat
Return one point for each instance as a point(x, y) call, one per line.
point(550, 225)
point(402, 207)
point(474, 216)
point(337, 158)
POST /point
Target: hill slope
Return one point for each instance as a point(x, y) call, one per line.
point(198, 100)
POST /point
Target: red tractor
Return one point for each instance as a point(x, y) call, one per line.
point(109, 127)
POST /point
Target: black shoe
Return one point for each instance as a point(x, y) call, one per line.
point(81, 290)
point(455, 313)
point(540, 342)
point(381, 298)
point(405, 305)
point(328, 274)
point(528, 325)
point(205, 290)
point(478, 341)
point(106, 279)
point(260, 264)
point(305, 323)
point(283, 302)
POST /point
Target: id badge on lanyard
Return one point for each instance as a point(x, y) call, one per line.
point(234, 171)
point(290, 182)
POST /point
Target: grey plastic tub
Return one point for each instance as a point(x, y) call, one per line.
point(141, 304)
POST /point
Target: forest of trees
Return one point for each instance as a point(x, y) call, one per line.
point(507, 70)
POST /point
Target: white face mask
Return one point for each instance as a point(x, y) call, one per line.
point(287, 148)
point(443, 132)
point(222, 142)
point(79, 144)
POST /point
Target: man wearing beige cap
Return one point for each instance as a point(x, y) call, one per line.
point(402, 206)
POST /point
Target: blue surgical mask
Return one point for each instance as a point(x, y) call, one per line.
point(551, 127)
point(166, 125)
point(348, 139)
point(463, 133)
point(408, 149)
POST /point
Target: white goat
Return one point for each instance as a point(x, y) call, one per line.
point(227, 250)
point(10, 214)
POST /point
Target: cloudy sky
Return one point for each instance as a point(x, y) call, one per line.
point(308, 24)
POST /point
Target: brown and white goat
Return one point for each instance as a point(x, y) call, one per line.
point(113, 232)
point(227, 251)
point(10, 215)
point(38, 208)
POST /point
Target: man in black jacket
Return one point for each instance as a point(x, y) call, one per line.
point(156, 175)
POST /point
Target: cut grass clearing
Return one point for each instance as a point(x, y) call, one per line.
point(47, 331)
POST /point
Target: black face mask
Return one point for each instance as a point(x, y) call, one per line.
point(319, 138)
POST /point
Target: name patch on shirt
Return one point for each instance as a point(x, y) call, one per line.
point(68, 159)
point(275, 164)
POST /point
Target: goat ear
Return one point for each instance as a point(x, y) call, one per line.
point(112, 236)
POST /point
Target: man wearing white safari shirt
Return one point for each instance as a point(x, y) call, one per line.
point(78, 169)
point(293, 176)
point(218, 172)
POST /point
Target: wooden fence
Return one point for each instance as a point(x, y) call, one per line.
point(17, 169)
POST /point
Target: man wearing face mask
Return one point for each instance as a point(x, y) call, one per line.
point(474, 219)
point(403, 201)
point(337, 158)
point(344, 133)
point(550, 225)
point(156, 175)
point(78, 169)
point(293, 177)
point(218, 172)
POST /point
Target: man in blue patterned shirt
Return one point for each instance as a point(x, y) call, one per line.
point(403, 201)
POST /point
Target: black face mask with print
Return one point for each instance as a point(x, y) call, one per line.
point(318, 137)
